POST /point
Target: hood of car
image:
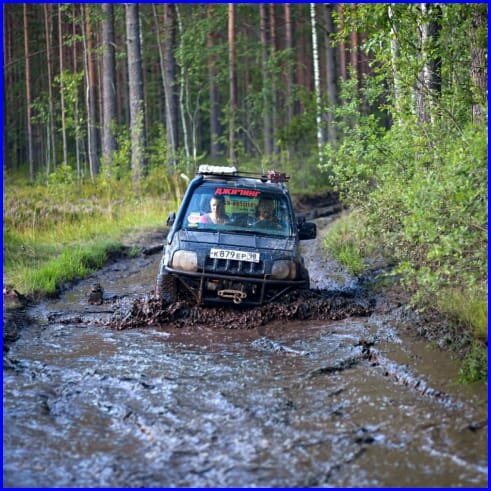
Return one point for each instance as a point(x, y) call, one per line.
point(254, 241)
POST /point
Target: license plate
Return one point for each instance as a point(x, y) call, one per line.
point(251, 257)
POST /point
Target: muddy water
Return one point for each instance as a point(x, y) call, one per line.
point(355, 402)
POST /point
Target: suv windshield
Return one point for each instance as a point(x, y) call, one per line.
point(238, 208)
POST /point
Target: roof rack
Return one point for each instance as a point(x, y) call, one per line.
point(219, 170)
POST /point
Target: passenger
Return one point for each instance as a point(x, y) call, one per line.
point(217, 215)
point(266, 215)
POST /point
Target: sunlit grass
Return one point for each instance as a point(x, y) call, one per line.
point(345, 242)
point(73, 263)
point(468, 307)
point(55, 235)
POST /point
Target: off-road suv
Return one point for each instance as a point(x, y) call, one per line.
point(234, 239)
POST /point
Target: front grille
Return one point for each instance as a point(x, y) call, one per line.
point(231, 266)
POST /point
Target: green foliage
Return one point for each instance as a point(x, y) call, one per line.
point(64, 175)
point(475, 365)
point(421, 186)
point(423, 189)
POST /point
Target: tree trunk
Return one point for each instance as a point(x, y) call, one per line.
point(274, 94)
point(108, 85)
point(215, 125)
point(341, 46)
point(92, 98)
point(267, 86)
point(430, 77)
point(479, 65)
point(28, 93)
point(135, 77)
point(331, 72)
point(289, 70)
point(232, 77)
point(7, 80)
point(435, 61)
point(78, 136)
point(394, 53)
point(182, 90)
point(354, 54)
point(170, 67)
point(51, 143)
point(167, 69)
point(317, 84)
point(62, 88)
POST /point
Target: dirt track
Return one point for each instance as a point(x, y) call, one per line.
point(326, 388)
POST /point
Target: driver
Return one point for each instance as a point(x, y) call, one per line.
point(266, 215)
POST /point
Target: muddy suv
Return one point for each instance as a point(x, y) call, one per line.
point(234, 239)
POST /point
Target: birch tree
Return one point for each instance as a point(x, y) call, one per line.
point(331, 71)
point(78, 128)
point(317, 84)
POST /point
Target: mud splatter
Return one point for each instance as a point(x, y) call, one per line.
point(298, 305)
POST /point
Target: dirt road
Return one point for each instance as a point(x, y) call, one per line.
point(326, 389)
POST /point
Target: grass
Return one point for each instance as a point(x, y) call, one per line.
point(469, 308)
point(75, 262)
point(345, 242)
point(60, 233)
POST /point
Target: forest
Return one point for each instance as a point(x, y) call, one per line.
point(110, 108)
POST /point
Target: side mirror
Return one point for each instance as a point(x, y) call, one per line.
point(307, 230)
point(171, 219)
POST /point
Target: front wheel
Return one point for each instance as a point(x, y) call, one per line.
point(166, 288)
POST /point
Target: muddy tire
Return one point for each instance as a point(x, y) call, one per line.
point(166, 288)
point(306, 278)
point(307, 282)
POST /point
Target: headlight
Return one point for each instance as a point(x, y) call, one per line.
point(284, 269)
point(185, 261)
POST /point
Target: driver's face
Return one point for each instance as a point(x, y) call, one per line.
point(266, 208)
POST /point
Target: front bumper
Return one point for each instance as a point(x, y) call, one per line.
point(206, 286)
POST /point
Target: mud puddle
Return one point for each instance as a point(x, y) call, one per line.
point(324, 389)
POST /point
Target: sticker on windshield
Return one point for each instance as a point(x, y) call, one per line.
point(249, 193)
point(193, 219)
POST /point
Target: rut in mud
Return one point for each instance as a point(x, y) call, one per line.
point(325, 388)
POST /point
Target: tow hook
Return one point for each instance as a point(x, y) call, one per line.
point(236, 295)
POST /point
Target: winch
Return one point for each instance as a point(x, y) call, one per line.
point(235, 295)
